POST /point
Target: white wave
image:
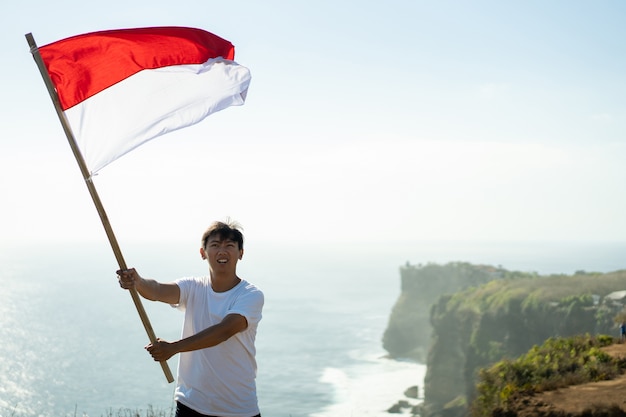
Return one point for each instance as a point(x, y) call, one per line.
point(371, 389)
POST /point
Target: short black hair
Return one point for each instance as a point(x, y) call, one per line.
point(229, 231)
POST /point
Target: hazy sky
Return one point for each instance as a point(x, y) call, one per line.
point(367, 121)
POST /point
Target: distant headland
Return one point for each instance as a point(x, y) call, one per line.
point(461, 318)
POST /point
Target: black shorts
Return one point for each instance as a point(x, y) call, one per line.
point(183, 411)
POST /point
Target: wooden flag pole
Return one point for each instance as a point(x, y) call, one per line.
point(92, 191)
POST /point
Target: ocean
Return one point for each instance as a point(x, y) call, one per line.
point(72, 342)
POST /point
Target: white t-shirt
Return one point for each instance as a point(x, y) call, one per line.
point(219, 380)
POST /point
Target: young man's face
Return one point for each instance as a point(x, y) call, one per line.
point(222, 254)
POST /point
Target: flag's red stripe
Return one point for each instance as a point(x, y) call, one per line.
point(84, 65)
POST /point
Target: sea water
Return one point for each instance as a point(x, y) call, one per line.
point(72, 342)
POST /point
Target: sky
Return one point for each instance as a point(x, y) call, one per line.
point(365, 121)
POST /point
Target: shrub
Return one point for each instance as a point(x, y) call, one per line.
point(559, 362)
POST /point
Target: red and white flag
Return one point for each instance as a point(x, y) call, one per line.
point(121, 88)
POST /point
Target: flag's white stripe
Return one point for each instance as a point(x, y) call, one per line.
point(152, 103)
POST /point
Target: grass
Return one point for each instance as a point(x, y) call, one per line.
point(558, 363)
point(121, 412)
point(150, 412)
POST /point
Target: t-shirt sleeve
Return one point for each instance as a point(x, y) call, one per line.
point(185, 285)
point(249, 305)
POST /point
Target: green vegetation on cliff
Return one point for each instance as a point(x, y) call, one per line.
point(468, 317)
point(557, 363)
point(477, 327)
point(408, 333)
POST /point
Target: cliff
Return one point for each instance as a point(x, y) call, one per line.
point(494, 315)
point(408, 333)
point(583, 378)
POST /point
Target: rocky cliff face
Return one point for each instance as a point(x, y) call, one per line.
point(408, 334)
point(499, 314)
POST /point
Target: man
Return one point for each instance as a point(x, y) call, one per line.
point(217, 366)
